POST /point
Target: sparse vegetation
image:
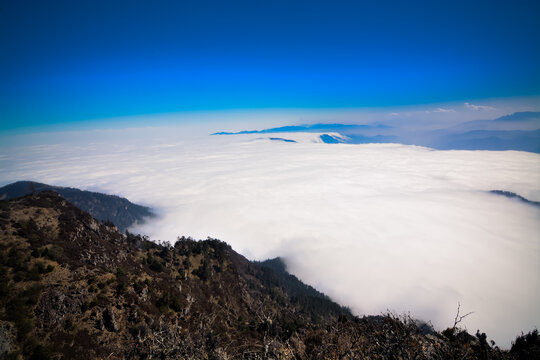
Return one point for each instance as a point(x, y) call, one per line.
point(89, 292)
point(527, 346)
point(114, 210)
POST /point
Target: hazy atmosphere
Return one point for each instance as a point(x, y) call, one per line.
point(360, 144)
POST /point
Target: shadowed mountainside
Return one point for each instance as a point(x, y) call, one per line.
point(72, 287)
point(120, 211)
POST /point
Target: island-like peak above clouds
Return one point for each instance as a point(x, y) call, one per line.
point(308, 128)
point(517, 131)
point(293, 137)
point(515, 196)
point(332, 133)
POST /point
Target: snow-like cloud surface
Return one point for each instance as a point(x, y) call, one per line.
point(375, 226)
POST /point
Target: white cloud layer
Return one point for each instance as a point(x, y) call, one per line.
point(375, 226)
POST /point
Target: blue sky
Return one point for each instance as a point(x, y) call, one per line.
point(66, 61)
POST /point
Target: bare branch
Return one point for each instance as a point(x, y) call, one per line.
point(459, 318)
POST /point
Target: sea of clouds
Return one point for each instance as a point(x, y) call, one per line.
point(377, 227)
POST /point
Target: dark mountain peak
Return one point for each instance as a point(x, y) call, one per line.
point(277, 264)
point(120, 211)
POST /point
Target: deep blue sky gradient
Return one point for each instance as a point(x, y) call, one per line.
point(67, 61)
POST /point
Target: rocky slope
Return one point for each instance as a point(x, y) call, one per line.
point(74, 288)
point(120, 211)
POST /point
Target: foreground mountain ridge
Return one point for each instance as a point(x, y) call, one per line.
point(72, 287)
point(120, 211)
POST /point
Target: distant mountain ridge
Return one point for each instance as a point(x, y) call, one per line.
point(520, 116)
point(517, 131)
point(491, 140)
point(308, 128)
point(512, 195)
point(120, 211)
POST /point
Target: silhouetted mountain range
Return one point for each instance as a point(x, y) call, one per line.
point(491, 140)
point(517, 131)
point(520, 116)
point(512, 195)
point(345, 128)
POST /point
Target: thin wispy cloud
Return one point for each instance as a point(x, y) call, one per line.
point(443, 110)
point(479, 107)
point(375, 226)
